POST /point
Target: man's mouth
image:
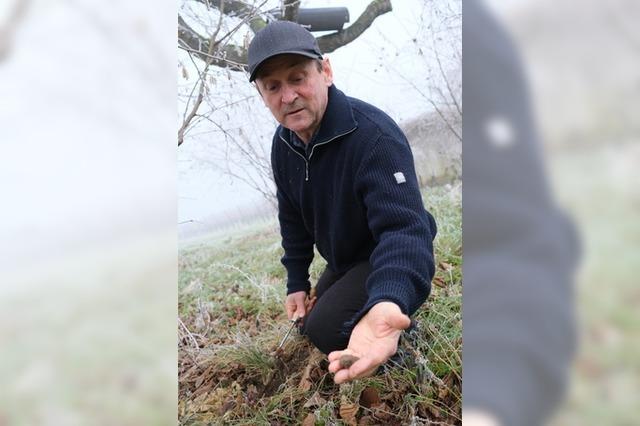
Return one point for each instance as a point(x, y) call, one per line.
point(294, 112)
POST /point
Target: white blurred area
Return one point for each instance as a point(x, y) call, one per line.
point(582, 59)
point(88, 182)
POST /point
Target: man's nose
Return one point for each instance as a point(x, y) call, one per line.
point(289, 94)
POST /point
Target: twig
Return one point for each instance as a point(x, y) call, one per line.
point(189, 334)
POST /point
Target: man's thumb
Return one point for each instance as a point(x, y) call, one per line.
point(399, 321)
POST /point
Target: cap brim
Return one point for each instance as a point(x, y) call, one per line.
point(311, 55)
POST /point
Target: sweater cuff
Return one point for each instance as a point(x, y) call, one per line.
point(403, 295)
point(391, 292)
point(296, 286)
point(297, 276)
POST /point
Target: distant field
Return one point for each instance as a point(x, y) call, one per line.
point(231, 291)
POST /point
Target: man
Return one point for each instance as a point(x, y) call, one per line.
point(345, 182)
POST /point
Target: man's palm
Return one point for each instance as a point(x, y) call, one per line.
point(373, 340)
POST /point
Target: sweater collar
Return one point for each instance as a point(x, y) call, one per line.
point(337, 120)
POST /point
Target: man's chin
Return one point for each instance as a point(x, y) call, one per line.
point(296, 125)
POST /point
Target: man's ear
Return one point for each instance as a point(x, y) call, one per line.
point(327, 72)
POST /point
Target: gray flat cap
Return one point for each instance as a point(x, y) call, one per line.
point(277, 38)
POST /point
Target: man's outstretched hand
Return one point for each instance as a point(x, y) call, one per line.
point(373, 340)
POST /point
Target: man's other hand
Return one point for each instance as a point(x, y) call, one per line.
point(295, 305)
point(373, 340)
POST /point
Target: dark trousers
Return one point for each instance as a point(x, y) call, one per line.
point(340, 297)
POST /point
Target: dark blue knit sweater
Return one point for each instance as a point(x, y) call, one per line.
point(354, 194)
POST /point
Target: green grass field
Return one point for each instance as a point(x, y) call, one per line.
point(231, 294)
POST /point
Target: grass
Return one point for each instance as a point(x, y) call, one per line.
point(231, 291)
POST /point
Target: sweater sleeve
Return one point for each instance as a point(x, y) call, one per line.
point(402, 260)
point(296, 240)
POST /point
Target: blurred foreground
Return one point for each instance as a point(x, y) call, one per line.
point(87, 176)
point(551, 178)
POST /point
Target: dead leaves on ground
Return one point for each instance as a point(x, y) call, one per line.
point(214, 393)
point(214, 388)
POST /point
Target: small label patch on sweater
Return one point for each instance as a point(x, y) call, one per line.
point(399, 177)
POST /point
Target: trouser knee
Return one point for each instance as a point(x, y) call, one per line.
point(323, 333)
point(340, 297)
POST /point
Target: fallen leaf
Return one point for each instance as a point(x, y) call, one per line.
point(369, 397)
point(445, 266)
point(252, 394)
point(348, 411)
point(310, 420)
point(199, 380)
point(439, 282)
point(229, 404)
point(367, 421)
point(239, 314)
point(305, 381)
point(443, 392)
point(382, 412)
point(315, 401)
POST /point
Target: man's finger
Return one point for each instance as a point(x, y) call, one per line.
point(335, 366)
point(335, 355)
point(290, 311)
point(310, 303)
point(362, 368)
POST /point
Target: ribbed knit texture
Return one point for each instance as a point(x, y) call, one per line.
point(352, 207)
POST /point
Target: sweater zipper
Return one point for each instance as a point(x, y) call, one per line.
point(306, 163)
point(326, 142)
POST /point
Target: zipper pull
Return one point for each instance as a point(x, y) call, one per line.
point(306, 174)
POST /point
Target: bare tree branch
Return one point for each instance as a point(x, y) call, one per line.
point(291, 10)
point(230, 56)
point(242, 10)
point(190, 116)
point(450, 91)
point(202, 75)
point(189, 38)
point(330, 42)
point(248, 165)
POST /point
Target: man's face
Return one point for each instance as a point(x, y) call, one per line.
point(295, 91)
